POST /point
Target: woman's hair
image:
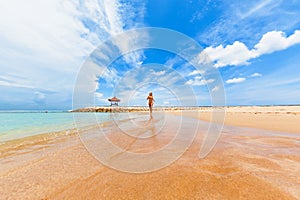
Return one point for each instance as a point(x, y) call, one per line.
point(150, 93)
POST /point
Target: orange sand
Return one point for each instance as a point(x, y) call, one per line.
point(245, 164)
point(275, 118)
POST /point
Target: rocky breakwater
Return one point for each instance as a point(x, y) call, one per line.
point(126, 109)
point(111, 109)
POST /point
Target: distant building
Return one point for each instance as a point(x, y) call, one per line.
point(114, 101)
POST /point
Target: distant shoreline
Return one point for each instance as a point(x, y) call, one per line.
point(168, 108)
point(143, 107)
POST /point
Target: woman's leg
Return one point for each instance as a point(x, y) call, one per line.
point(150, 109)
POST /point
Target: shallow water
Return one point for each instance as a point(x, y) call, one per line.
point(14, 125)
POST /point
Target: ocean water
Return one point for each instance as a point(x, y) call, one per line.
point(14, 125)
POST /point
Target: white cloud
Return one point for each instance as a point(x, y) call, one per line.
point(43, 30)
point(216, 88)
point(100, 99)
point(48, 41)
point(9, 84)
point(166, 102)
point(173, 61)
point(111, 77)
point(235, 54)
point(235, 80)
point(250, 20)
point(159, 73)
point(190, 82)
point(42, 41)
point(198, 82)
point(17, 81)
point(256, 75)
point(257, 7)
point(239, 54)
point(196, 72)
point(131, 43)
point(98, 95)
point(275, 41)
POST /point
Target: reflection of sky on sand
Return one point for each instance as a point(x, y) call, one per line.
point(153, 143)
point(142, 125)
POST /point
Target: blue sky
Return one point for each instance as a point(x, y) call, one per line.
point(255, 46)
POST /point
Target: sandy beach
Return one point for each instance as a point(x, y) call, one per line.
point(246, 163)
point(275, 118)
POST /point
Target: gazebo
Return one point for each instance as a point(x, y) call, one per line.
point(114, 101)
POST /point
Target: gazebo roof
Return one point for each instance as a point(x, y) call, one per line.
point(114, 99)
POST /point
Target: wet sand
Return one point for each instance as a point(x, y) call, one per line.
point(245, 164)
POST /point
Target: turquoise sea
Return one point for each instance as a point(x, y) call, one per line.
point(19, 124)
